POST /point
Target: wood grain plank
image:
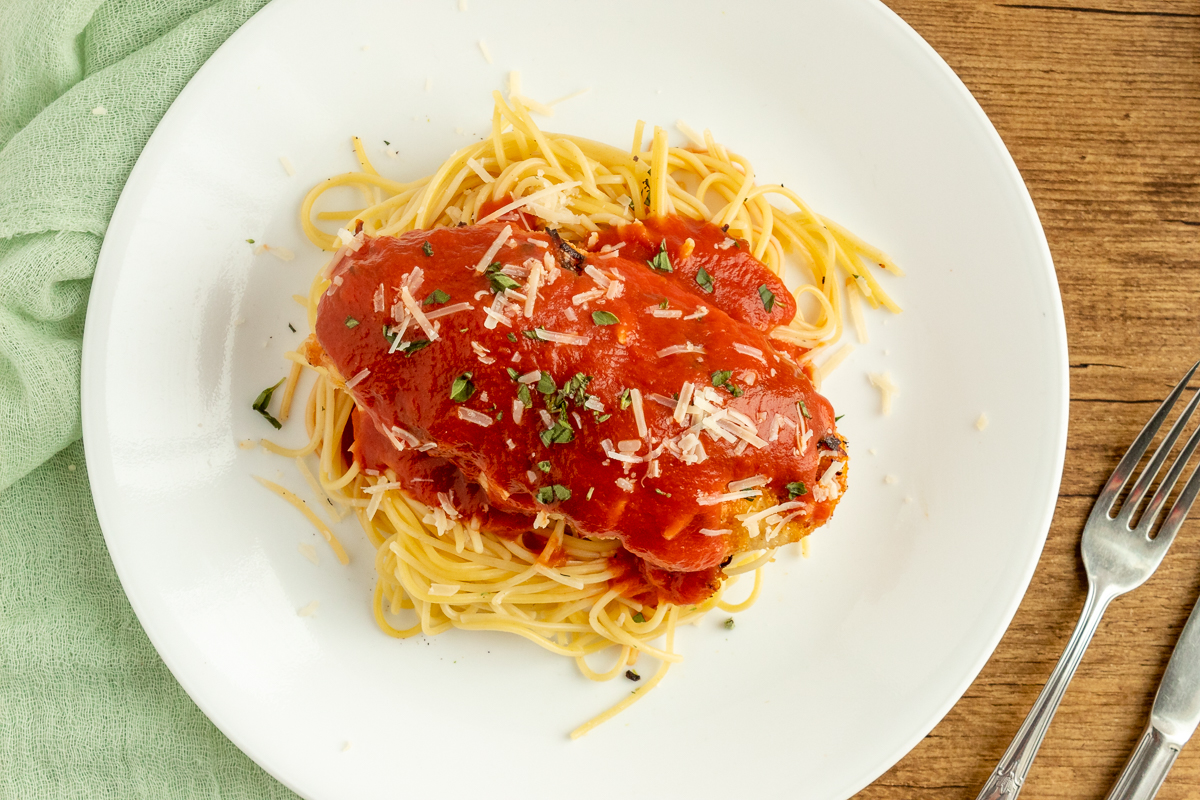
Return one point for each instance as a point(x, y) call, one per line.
point(1099, 103)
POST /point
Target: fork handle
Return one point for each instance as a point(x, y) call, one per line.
point(1006, 780)
point(1147, 768)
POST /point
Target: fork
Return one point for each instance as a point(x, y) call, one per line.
point(1118, 557)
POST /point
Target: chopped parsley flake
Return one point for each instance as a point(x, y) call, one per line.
point(351, 322)
point(665, 304)
point(661, 261)
point(796, 489)
point(549, 494)
point(427, 248)
point(263, 400)
point(512, 337)
point(462, 389)
point(414, 346)
point(513, 374)
point(804, 409)
point(704, 280)
point(721, 378)
point(561, 433)
point(664, 494)
point(523, 396)
point(603, 417)
point(729, 623)
point(838, 418)
point(437, 296)
point(604, 318)
point(532, 335)
point(625, 400)
point(638, 617)
point(500, 282)
point(544, 466)
point(250, 241)
point(768, 297)
point(545, 383)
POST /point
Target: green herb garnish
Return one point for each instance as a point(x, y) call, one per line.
point(561, 433)
point(513, 374)
point(625, 399)
point(512, 337)
point(544, 466)
point(729, 624)
point(549, 494)
point(414, 346)
point(768, 297)
point(661, 261)
point(437, 296)
point(804, 409)
point(500, 282)
point(665, 304)
point(704, 280)
point(796, 489)
point(545, 383)
point(351, 322)
point(427, 249)
point(263, 400)
point(532, 335)
point(721, 378)
point(604, 318)
point(523, 396)
point(638, 617)
point(462, 389)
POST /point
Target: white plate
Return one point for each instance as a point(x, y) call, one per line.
point(850, 657)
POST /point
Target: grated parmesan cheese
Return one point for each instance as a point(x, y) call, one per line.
point(470, 415)
point(982, 422)
point(487, 54)
point(675, 349)
point(536, 197)
point(887, 390)
point(308, 610)
point(639, 413)
point(749, 483)
point(493, 248)
point(715, 499)
point(562, 338)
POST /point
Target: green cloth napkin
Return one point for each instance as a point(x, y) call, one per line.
point(87, 708)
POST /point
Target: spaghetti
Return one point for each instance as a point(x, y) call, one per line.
point(570, 593)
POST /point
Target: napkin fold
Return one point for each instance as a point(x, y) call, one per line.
point(87, 708)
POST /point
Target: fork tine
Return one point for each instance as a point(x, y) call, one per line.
point(1183, 504)
point(1164, 489)
point(1136, 450)
point(1160, 455)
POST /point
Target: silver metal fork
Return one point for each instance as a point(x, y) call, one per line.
point(1119, 557)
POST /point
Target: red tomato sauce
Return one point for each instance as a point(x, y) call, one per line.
point(504, 473)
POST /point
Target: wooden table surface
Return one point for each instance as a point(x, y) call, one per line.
point(1099, 103)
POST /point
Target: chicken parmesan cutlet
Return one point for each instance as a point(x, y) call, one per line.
point(628, 385)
